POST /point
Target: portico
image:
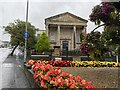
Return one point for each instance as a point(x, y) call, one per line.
point(64, 30)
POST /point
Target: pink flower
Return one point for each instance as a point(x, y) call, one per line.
point(43, 84)
point(45, 77)
point(64, 74)
point(89, 87)
point(78, 78)
point(46, 73)
point(73, 86)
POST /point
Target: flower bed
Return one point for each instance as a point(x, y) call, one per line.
point(48, 76)
point(94, 64)
point(65, 63)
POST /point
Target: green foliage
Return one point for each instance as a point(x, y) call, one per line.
point(43, 43)
point(109, 14)
point(112, 34)
point(93, 37)
point(81, 37)
point(17, 29)
point(102, 13)
point(92, 45)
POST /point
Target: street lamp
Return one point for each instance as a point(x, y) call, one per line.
point(26, 33)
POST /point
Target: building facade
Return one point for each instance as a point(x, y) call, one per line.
point(4, 44)
point(39, 32)
point(64, 30)
point(1, 43)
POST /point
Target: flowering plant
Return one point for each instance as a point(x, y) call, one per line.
point(86, 48)
point(93, 37)
point(94, 64)
point(36, 66)
point(48, 76)
point(102, 13)
point(91, 45)
point(60, 63)
point(31, 62)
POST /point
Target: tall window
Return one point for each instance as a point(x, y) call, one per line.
point(52, 36)
point(78, 37)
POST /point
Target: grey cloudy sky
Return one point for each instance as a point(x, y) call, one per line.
point(11, 10)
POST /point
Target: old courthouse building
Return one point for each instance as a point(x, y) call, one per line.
point(64, 30)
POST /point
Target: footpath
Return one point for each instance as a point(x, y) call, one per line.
point(13, 74)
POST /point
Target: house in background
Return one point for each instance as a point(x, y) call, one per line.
point(39, 32)
point(1, 43)
point(4, 44)
point(64, 30)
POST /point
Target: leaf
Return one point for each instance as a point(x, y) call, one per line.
point(79, 86)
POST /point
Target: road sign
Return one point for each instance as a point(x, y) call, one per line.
point(26, 34)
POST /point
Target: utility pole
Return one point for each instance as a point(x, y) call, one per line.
point(26, 33)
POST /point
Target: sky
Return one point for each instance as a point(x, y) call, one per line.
point(11, 10)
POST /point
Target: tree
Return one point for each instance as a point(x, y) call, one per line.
point(43, 43)
point(16, 30)
point(108, 13)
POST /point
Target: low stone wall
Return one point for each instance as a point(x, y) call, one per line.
point(29, 75)
point(103, 77)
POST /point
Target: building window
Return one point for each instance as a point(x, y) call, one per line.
point(77, 37)
point(52, 36)
point(38, 35)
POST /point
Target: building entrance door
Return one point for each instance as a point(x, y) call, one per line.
point(64, 45)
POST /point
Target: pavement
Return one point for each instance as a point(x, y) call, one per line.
point(4, 52)
point(13, 74)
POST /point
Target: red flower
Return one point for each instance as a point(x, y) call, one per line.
point(35, 76)
point(45, 77)
point(43, 84)
point(53, 78)
point(78, 78)
point(48, 66)
point(46, 73)
point(83, 83)
point(31, 62)
point(62, 82)
point(64, 74)
point(89, 87)
point(36, 80)
point(73, 86)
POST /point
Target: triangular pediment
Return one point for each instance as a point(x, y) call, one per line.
point(66, 17)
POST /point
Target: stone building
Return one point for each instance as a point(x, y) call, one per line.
point(64, 30)
point(1, 43)
point(39, 32)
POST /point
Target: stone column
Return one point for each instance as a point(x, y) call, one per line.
point(74, 40)
point(85, 30)
point(47, 30)
point(58, 35)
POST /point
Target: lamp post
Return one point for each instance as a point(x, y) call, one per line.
point(26, 33)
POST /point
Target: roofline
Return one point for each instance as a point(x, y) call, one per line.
point(65, 13)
